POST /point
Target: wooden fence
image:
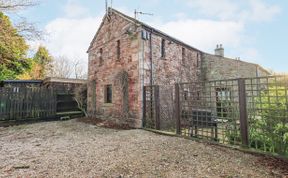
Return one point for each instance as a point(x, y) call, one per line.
point(25, 103)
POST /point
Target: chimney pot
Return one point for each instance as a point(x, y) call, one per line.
point(219, 51)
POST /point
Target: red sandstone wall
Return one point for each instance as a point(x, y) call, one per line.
point(116, 28)
point(135, 59)
point(171, 68)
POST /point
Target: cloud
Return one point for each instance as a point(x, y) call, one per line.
point(224, 22)
point(223, 9)
point(246, 10)
point(71, 37)
point(251, 54)
point(73, 9)
point(205, 34)
point(261, 11)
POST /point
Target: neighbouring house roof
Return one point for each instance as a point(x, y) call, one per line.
point(45, 81)
point(22, 81)
point(63, 80)
point(238, 60)
point(143, 25)
point(262, 68)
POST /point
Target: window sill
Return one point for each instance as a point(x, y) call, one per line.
point(108, 104)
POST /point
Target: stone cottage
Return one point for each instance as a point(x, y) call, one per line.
point(126, 55)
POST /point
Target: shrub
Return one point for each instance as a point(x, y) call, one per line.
point(269, 125)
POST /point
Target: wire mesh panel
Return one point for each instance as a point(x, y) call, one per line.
point(252, 112)
point(149, 107)
point(267, 100)
point(166, 108)
point(210, 110)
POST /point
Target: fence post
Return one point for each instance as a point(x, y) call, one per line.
point(243, 112)
point(144, 107)
point(157, 107)
point(177, 109)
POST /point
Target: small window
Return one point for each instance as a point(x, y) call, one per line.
point(185, 95)
point(108, 94)
point(163, 48)
point(100, 56)
point(183, 55)
point(198, 95)
point(118, 50)
point(223, 94)
point(223, 102)
point(198, 60)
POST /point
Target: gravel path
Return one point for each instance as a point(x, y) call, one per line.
point(76, 149)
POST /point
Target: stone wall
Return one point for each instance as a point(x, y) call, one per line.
point(221, 68)
point(173, 67)
point(181, 63)
point(113, 29)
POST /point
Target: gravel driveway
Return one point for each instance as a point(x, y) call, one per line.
point(76, 149)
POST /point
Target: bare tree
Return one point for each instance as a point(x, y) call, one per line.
point(61, 67)
point(15, 5)
point(27, 29)
point(80, 96)
point(79, 71)
point(64, 67)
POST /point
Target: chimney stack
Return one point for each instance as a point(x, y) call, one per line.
point(219, 51)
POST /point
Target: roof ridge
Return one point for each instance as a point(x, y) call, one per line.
point(152, 28)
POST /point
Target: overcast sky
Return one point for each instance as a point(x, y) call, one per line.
point(254, 30)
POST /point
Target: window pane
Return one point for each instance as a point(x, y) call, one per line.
point(101, 56)
point(108, 94)
point(163, 48)
point(183, 55)
point(118, 50)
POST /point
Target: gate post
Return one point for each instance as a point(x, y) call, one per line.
point(144, 107)
point(157, 106)
point(177, 109)
point(243, 112)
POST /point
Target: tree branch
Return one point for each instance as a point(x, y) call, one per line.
point(28, 30)
point(14, 5)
